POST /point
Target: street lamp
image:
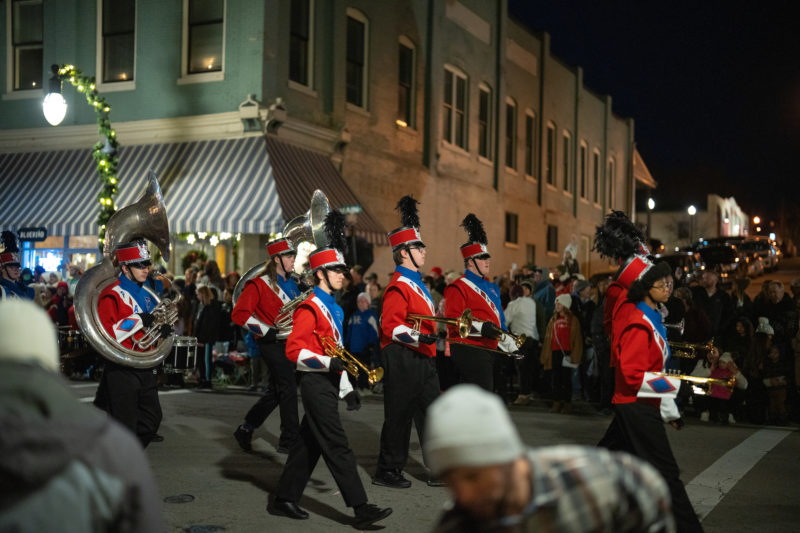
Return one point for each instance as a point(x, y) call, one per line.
point(756, 220)
point(692, 210)
point(54, 106)
point(651, 204)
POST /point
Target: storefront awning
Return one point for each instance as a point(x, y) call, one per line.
point(215, 186)
point(298, 172)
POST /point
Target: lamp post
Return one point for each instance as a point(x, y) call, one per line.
point(651, 204)
point(692, 210)
point(104, 152)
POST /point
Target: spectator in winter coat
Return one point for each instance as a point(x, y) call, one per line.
point(361, 335)
point(64, 465)
point(562, 351)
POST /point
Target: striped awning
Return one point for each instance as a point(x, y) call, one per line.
point(298, 172)
point(215, 186)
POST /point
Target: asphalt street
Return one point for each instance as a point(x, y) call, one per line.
point(740, 478)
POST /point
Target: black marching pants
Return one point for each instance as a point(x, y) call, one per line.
point(130, 395)
point(637, 428)
point(410, 385)
point(281, 392)
point(474, 365)
point(321, 434)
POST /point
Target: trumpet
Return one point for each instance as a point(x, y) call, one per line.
point(701, 386)
point(462, 323)
point(688, 350)
point(680, 326)
point(166, 312)
point(351, 363)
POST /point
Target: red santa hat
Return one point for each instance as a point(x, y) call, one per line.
point(408, 234)
point(280, 247)
point(476, 247)
point(133, 252)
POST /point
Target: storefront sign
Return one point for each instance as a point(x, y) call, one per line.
point(350, 209)
point(32, 234)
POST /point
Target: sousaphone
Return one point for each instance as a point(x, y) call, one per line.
point(144, 219)
point(309, 226)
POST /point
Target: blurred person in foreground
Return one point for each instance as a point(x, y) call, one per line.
point(64, 466)
point(499, 485)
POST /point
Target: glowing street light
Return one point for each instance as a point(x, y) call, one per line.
point(692, 210)
point(54, 106)
point(756, 220)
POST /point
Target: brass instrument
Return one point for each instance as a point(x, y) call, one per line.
point(701, 386)
point(680, 326)
point(284, 319)
point(166, 312)
point(462, 323)
point(306, 227)
point(351, 363)
point(688, 350)
point(146, 218)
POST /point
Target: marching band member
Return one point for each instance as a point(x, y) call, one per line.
point(474, 291)
point(322, 384)
point(643, 399)
point(257, 309)
point(10, 284)
point(409, 355)
point(130, 394)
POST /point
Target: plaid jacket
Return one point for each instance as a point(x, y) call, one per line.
point(582, 489)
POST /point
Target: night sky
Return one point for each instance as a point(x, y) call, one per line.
point(713, 88)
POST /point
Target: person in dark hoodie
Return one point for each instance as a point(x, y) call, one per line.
point(64, 465)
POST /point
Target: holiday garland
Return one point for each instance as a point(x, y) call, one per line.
point(104, 152)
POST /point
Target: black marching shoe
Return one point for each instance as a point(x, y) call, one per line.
point(369, 513)
point(284, 508)
point(243, 437)
point(391, 478)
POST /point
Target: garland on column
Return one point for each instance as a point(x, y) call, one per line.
point(104, 152)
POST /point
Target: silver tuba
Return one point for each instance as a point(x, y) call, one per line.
point(309, 226)
point(146, 218)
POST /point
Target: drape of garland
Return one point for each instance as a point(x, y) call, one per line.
point(104, 152)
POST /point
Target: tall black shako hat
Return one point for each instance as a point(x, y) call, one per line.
point(10, 253)
point(476, 247)
point(408, 234)
point(332, 255)
point(619, 239)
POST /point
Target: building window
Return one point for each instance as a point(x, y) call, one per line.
point(455, 106)
point(205, 36)
point(485, 121)
point(596, 176)
point(530, 254)
point(405, 83)
point(356, 75)
point(118, 40)
point(511, 133)
point(582, 161)
point(566, 159)
point(612, 179)
point(550, 161)
point(26, 44)
point(512, 222)
point(552, 238)
point(530, 121)
point(301, 39)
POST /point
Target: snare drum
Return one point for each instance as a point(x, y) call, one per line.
point(184, 355)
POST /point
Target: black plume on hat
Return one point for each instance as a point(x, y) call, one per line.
point(334, 230)
point(408, 212)
point(474, 228)
point(618, 237)
point(9, 239)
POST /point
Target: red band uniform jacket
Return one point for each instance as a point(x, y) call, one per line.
point(258, 306)
point(119, 310)
point(460, 295)
point(404, 297)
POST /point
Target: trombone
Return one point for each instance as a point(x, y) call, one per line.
point(464, 326)
point(701, 386)
point(351, 363)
